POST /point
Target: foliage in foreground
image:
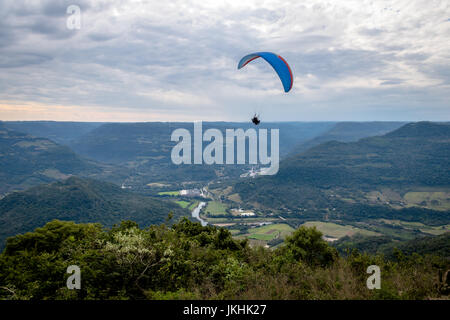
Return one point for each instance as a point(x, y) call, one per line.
point(188, 261)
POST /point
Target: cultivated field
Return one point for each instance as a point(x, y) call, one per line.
point(270, 232)
point(169, 193)
point(432, 200)
point(182, 203)
point(434, 230)
point(215, 208)
point(336, 230)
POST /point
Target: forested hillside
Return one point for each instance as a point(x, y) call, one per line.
point(414, 156)
point(26, 161)
point(188, 261)
point(80, 200)
point(437, 245)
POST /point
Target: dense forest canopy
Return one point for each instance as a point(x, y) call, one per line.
point(188, 261)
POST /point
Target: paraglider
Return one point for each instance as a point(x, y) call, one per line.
point(255, 119)
point(280, 66)
point(277, 62)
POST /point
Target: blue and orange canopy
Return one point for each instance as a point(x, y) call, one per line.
point(277, 62)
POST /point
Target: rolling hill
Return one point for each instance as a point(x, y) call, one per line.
point(415, 154)
point(123, 142)
point(146, 148)
point(81, 201)
point(349, 132)
point(27, 161)
point(436, 245)
point(341, 175)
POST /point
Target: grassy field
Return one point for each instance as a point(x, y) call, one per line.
point(235, 197)
point(241, 220)
point(336, 230)
point(434, 230)
point(215, 208)
point(169, 193)
point(396, 233)
point(157, 185)
point(182, 203)
point(270, 232)
point(432, 200)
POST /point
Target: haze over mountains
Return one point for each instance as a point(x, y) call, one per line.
point(60, 132)
point(348, 132)
point(143, 149)
point(150, 140)
point(26, 161)
point(347, 172)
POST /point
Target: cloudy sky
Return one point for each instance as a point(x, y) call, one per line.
point(177, 60)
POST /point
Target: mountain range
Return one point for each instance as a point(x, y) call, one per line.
point(414, 157)
point(398, 174)
point(27, 160)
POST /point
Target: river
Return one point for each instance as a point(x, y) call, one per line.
point(196, 213)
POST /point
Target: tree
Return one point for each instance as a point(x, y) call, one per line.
point(306, 244)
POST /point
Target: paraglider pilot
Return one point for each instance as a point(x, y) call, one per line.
point(255, 119)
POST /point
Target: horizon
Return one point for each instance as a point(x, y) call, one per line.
point(243, 122)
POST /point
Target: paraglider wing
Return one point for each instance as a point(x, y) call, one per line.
point(277, 62)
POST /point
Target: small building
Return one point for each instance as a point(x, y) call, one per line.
point(242, 213)
point(191, 193)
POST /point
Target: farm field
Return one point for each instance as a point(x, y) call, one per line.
point(157, 185)
point(269, 232)
point(215, 208)
point(182, 203)
point(334, 230)
point(235, 198)
point(241, 220)
point(432, 200)
point(434, 230)
point(169, 193)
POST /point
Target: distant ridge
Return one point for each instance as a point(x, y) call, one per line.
point(59, 131)
point(422, 129)
point(349, 132)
